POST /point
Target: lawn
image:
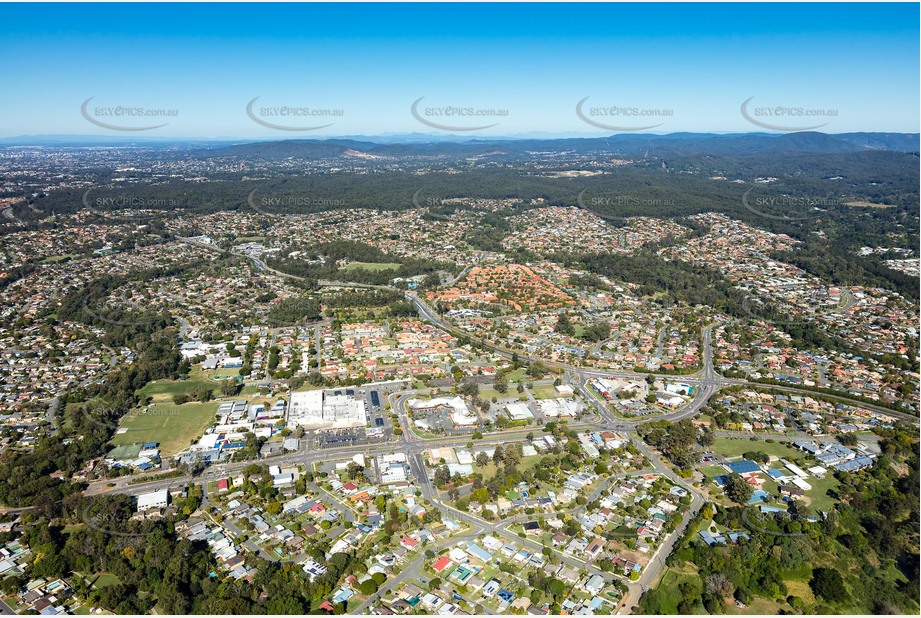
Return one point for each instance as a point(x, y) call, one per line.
point(105, 579)
point(58, 258)
point(425, 435)
point(818, 495)
point(171, 425)
point(223, 374)
point(489, 470)
point(545, 391)
point(760, 606)
point(488, 392)
point(735, 447)
point(667, 588)
point(372, 266)
point(163, 390)
point(711, 471)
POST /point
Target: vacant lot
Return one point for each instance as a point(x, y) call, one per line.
point(732, 447)
point(818, 495)
point(545, 391)
point(863, 204)
point(372, 266)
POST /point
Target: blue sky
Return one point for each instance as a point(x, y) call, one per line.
point(694, 64)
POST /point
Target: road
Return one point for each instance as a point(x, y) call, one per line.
point(8, 213)
point(651, 573)
point(705, 377)
point(415, 448)
point(706, 380)
point(707, 383)
point(234, 530)
point(52, 412)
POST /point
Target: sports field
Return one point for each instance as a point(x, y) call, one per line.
point(174, 427)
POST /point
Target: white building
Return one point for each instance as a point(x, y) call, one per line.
point(393, 472)
point(519, 411)
point(153, 500)
point(554, 408)
point(319, 410)
point(313, 569)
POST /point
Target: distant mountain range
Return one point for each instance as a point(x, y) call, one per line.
point(675, 144)
point(418, 144)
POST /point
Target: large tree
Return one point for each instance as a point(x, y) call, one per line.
point(737, 489)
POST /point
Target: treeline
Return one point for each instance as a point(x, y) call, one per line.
point(861, 558)
point(153, 565)
point(830, 391)
point(838, 264)
point(690, 284)
point(678, 441)
point(88, 417)
point(352, 251)
point(394, 301)
point(296, 309)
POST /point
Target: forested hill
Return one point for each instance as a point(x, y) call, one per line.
point(675, 144)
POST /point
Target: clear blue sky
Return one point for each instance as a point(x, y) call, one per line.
point(372, 61)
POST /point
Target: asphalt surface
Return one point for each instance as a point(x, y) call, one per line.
point(707, 382)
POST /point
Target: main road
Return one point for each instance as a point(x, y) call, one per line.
point(706, 380)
